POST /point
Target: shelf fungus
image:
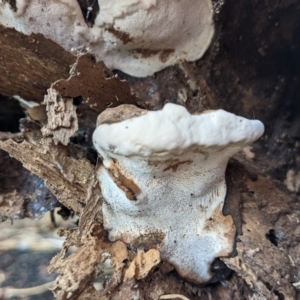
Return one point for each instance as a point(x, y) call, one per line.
point(163, 181)
point(138, 37)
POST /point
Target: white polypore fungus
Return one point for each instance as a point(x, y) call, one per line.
point(163, 181)
point(138, 37)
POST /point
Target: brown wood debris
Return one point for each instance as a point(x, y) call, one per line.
point(79, 270)
point(62, 118)
point(260, 259)
point(142, 264)
point(68, 181)
point(30, 64)
point(22, 194)
point(98, 86)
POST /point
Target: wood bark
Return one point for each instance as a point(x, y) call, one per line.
point(248, 70)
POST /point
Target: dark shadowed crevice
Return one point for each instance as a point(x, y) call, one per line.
point(10, 114)
point(271, 236)
point(12, 4)
point(90, 10)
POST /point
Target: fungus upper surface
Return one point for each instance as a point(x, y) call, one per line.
point(138, 37)
point(163, 181)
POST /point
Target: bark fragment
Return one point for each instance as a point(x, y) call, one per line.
point(62, 118)
point(96, 84)
point(29, 64)
point(22, 194)
point(69, 185)
point(260, 261)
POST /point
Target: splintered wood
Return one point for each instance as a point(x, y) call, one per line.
point(69, 180)
point(62, 117)
point(78, 270)
point(30, 64)
point(97, 85)
point(66, 172)
point(264, 266)
point(142, 264)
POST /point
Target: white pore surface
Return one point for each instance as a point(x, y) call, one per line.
point(173, 129)
point(182, 28)
point(178, 162)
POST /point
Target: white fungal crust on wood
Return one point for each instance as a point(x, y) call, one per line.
point(138, 37)
point(163, 182)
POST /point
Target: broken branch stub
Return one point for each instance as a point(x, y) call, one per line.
point(163, 181)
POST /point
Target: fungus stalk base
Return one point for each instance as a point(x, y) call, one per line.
point(173, 204)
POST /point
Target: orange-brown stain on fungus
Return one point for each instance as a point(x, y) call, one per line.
point(163, 54)
point(125, 183)
point(175, 165)
point(121, 35)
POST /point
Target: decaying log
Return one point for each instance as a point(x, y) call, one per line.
point(30, 64)
point(22, 194)
point(266, 264)
point(73, 182)
point(239, 74)
point(68, 181)
point(97, 85)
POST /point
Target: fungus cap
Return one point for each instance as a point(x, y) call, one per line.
point(163, 182)
point(172, 130)
point(138, 37)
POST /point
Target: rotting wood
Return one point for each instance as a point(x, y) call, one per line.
point(29, 64)
point(265, 267)
point(237, 86)
point(74, 183)
point(62, 118)
point(97, 85)
point(69, 181)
